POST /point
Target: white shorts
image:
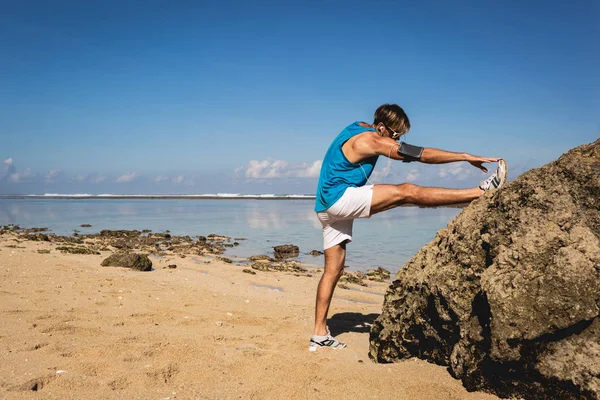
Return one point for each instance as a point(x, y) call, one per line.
point(337, 219)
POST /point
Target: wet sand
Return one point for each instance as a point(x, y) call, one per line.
point(72, 329)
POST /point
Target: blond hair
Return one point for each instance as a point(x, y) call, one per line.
point(392, 116)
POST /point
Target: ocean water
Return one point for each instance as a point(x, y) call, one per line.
point(387, 240)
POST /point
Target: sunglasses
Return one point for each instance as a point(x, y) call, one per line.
point(395, 135)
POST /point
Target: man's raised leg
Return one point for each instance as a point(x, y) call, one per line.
point(386, 197)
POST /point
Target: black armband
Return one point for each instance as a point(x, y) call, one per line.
point(409, 152)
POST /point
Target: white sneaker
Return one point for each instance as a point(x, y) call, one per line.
point(318, 342)
point(497, 179)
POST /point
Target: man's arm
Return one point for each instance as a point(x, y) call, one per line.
point(368, 144)
point(436, 156)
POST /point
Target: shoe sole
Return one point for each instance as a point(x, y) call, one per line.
point(503, 168)
point(325, 347)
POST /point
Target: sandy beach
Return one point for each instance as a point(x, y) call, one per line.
point(72, 329)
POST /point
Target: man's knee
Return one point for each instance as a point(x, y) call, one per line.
point(334, 259)
point(406, 193)
point(334, 270)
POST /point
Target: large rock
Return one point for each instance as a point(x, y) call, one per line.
point(508, 295)
point(139, 262)
point(286, 251)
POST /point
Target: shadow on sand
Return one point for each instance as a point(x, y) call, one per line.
point(351, 322)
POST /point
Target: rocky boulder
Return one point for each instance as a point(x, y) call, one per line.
point(119, 233)
point(286, 251)
point(508, 295)
point(38, 237)
point(139, 262)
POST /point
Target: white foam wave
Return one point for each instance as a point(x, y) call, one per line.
point(64, 195)
point(171, 196)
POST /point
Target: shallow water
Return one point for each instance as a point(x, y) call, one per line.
point(386, 240)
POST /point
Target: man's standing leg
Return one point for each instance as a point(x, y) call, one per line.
point(335, 257)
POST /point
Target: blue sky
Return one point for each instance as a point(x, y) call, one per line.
point(244, 97)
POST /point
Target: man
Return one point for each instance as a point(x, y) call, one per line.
point(344, 195)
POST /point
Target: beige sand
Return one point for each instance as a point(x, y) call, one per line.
point(71, 329)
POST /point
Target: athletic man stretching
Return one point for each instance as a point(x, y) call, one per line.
point(343, 195)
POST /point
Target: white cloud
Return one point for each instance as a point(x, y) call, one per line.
point(126, 178)
point(380, 176)
point(457, 171)
point(80, 178)
point(54, 175)
point(412, 175)
point(256, 168)
point(238, 170)
point(269, 169)
point(89, 178)
point(377, 177)
point(8, 169)
point(266, 169)
point(26, 176)
point(310, 171)
point(177, 180)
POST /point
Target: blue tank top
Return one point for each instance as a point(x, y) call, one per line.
point(337, 173)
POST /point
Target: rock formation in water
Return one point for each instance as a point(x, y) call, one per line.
point(508, 295)
point(286, 251)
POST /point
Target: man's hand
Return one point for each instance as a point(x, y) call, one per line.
point(477, 161)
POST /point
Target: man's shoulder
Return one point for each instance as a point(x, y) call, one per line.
point(356, 128)
point(360, 126)
point(366, 136)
